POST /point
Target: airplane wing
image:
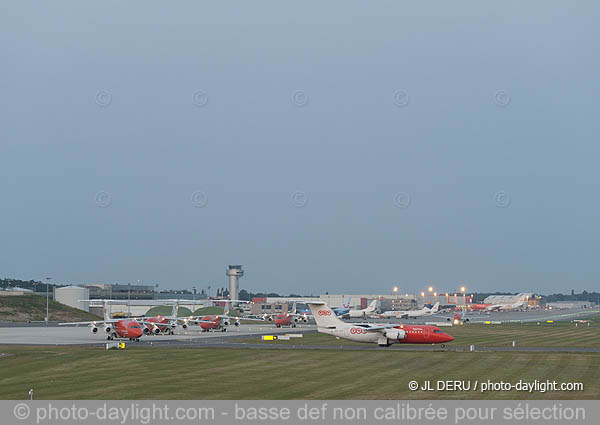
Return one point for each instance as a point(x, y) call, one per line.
point(195, 319)
point(240, 318)
point(377, 328)
point(93, 322)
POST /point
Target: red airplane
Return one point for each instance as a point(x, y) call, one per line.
point(114, 328)
point(161, 324)
point(215, 322)
point(479, 306)
point(380, 333)
point(287, 319)
point(458, 318)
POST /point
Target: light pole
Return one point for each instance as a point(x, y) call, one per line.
point(129, 299)
point(47, 286)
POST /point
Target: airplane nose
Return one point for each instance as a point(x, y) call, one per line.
point(449, 338)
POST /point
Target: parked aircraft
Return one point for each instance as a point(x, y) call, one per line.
point(114, 328)
point(344, 309)
point(371, 308)
point(411, 314)
point(215, 322)
point(161, 324)
point(381, 333)
point(289, 318)
point(521, 302)
point(476, 307)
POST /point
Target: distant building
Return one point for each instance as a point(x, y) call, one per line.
point(120, 292)
point(269, 308)
point(73, 296)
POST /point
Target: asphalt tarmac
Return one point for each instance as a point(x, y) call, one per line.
point(81, 335)
point(51, 334)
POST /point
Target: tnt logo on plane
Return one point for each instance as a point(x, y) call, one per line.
point(358, 331)
point(324, 312)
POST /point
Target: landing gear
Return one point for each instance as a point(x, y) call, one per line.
point(443, 346)
point(277, 326)
point(293, 325)
point(224, 330)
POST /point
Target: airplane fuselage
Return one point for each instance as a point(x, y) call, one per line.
point(407, 334)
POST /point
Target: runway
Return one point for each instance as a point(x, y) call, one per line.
point(526, 316)
point(70, 335)
point(51, 334)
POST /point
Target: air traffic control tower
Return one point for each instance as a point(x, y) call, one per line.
point(234, 273)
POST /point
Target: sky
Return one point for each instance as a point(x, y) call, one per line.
point(341, 146)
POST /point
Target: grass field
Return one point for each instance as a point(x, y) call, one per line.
point(228, 373)
point(558, 334)
point(220, 373)
point(33, 308)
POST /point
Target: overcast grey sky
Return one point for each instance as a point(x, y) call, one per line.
point(341, 146)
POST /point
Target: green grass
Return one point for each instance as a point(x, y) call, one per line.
point(33, 308)
point(208, 373)
point(558, 334)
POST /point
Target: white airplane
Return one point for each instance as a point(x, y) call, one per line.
point(371, 308)
point(425, 311)
point(507, 307)
point(384, 334)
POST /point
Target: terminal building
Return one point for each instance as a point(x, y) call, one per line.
point(110, 291)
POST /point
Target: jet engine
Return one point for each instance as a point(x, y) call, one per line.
point(396, 334)
point(296, 319)
point(237, 323)
point(146, 330)
point(226, 323)
point(94, 329)
point(156, 330)
point(108, 329)
point(184, 326)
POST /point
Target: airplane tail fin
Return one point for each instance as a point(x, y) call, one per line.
point(106, 310)
point(372, 306)
point(226, 309)
point(347, 305)
point(435, 308)
point(175, 309)
point(294, 307)
point(324, 316)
